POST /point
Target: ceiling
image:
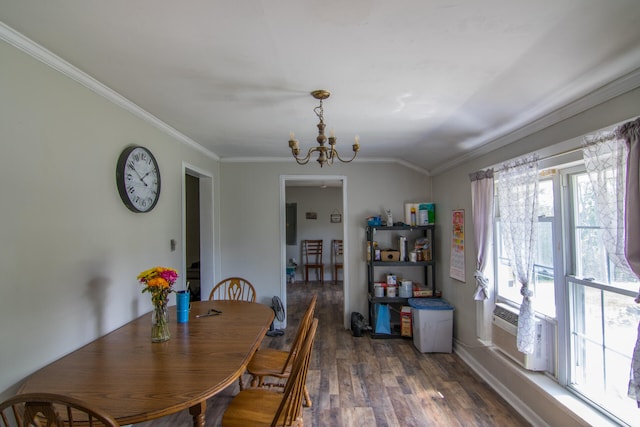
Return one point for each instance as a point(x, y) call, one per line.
point(424, 82)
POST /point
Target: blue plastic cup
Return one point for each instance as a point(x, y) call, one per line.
point(183, 305)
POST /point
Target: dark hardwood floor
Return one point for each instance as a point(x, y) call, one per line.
point(357, 381)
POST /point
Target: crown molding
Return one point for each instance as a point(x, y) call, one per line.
point(358, 160)
point(605, 93)
point(50, 59)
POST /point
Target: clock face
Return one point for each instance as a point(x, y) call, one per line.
point(138, 179)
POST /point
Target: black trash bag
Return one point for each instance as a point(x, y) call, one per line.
point(357, 324)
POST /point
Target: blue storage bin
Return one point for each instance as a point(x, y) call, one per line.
point(429, 304)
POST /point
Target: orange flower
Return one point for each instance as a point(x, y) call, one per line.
point(157, 282)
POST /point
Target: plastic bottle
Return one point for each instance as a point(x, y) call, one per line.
point(413, 216)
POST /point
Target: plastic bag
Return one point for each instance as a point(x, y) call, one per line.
point(382, 320)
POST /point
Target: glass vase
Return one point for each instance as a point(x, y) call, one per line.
point(160, 324)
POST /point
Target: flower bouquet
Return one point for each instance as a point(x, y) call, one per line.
point(158, 281)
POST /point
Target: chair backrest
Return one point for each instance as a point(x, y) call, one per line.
point(301, 333)
point(336, 252)
point(290, 409)
point(233, 288)
point(312, 251)
point(51, 410)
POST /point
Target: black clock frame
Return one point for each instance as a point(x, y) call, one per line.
point(121, 183)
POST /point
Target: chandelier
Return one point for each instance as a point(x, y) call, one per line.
point(326, 154)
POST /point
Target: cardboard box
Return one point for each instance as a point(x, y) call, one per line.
point(389, 255)
point(405, 322)
point(420, 291)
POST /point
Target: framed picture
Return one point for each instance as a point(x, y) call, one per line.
point(336, 217)
point(311, 215)
point(457, 246)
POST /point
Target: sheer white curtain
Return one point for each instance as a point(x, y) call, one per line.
point(612, 160)
point(630, 133)
point(605, 158)
point(482, 211)
point(518, 206)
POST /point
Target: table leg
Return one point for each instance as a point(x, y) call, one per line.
point(197, 411)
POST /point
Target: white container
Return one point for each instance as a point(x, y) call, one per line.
point(391, 291)
point(378, 290)
point(432, 327)
point(402, 244)
point(406, 289)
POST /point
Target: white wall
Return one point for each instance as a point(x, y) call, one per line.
point(250, 212)
point(70, 250)
point(452, 190)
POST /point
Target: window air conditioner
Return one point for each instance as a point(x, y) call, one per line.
point(504, 329)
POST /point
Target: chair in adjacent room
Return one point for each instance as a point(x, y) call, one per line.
point(312, 257)
point(52, 410)
point(233, 288)
point(264, 407)
point(337, 258)
point(270, 362)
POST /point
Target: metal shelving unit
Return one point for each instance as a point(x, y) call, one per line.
point(429, 267)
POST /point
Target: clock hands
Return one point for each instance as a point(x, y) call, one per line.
point(142, 177)
point(139, 177)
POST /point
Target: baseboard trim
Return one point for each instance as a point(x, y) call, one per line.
point(575, 411)
point(521, 407)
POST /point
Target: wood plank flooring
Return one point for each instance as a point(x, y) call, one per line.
point(357, 381)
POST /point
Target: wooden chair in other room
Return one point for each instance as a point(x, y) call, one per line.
point(312, 256)
point(336, 258)
point(51, 410)
point(264, 407)
point(233, 288)
point(269, 362)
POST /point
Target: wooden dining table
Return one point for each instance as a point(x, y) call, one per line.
point(135, 380)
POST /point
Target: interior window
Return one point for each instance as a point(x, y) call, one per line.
point(542, 280)
point(602, 318)
point(591, 261)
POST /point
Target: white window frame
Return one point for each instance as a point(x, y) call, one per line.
point(564, 261)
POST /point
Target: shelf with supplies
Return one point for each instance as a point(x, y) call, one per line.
point(411, 251)
point(402, 263)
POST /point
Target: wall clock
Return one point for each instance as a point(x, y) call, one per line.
point(138, 179)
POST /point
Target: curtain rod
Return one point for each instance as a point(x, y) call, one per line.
point(562, 153)
point(496, 167)
point(573, 150)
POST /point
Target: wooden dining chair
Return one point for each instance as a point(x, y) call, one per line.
point(336, 258)
point(51, 410)
point(233, 288)
point(265, 407)
point(270, 362)
point(312, 257)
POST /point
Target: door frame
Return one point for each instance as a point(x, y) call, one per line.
point(207, 245)
point(345, 235)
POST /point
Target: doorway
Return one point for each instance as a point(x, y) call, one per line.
point(320, 221)
point(197, 232)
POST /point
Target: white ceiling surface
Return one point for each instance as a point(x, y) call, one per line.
point(425, 82)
